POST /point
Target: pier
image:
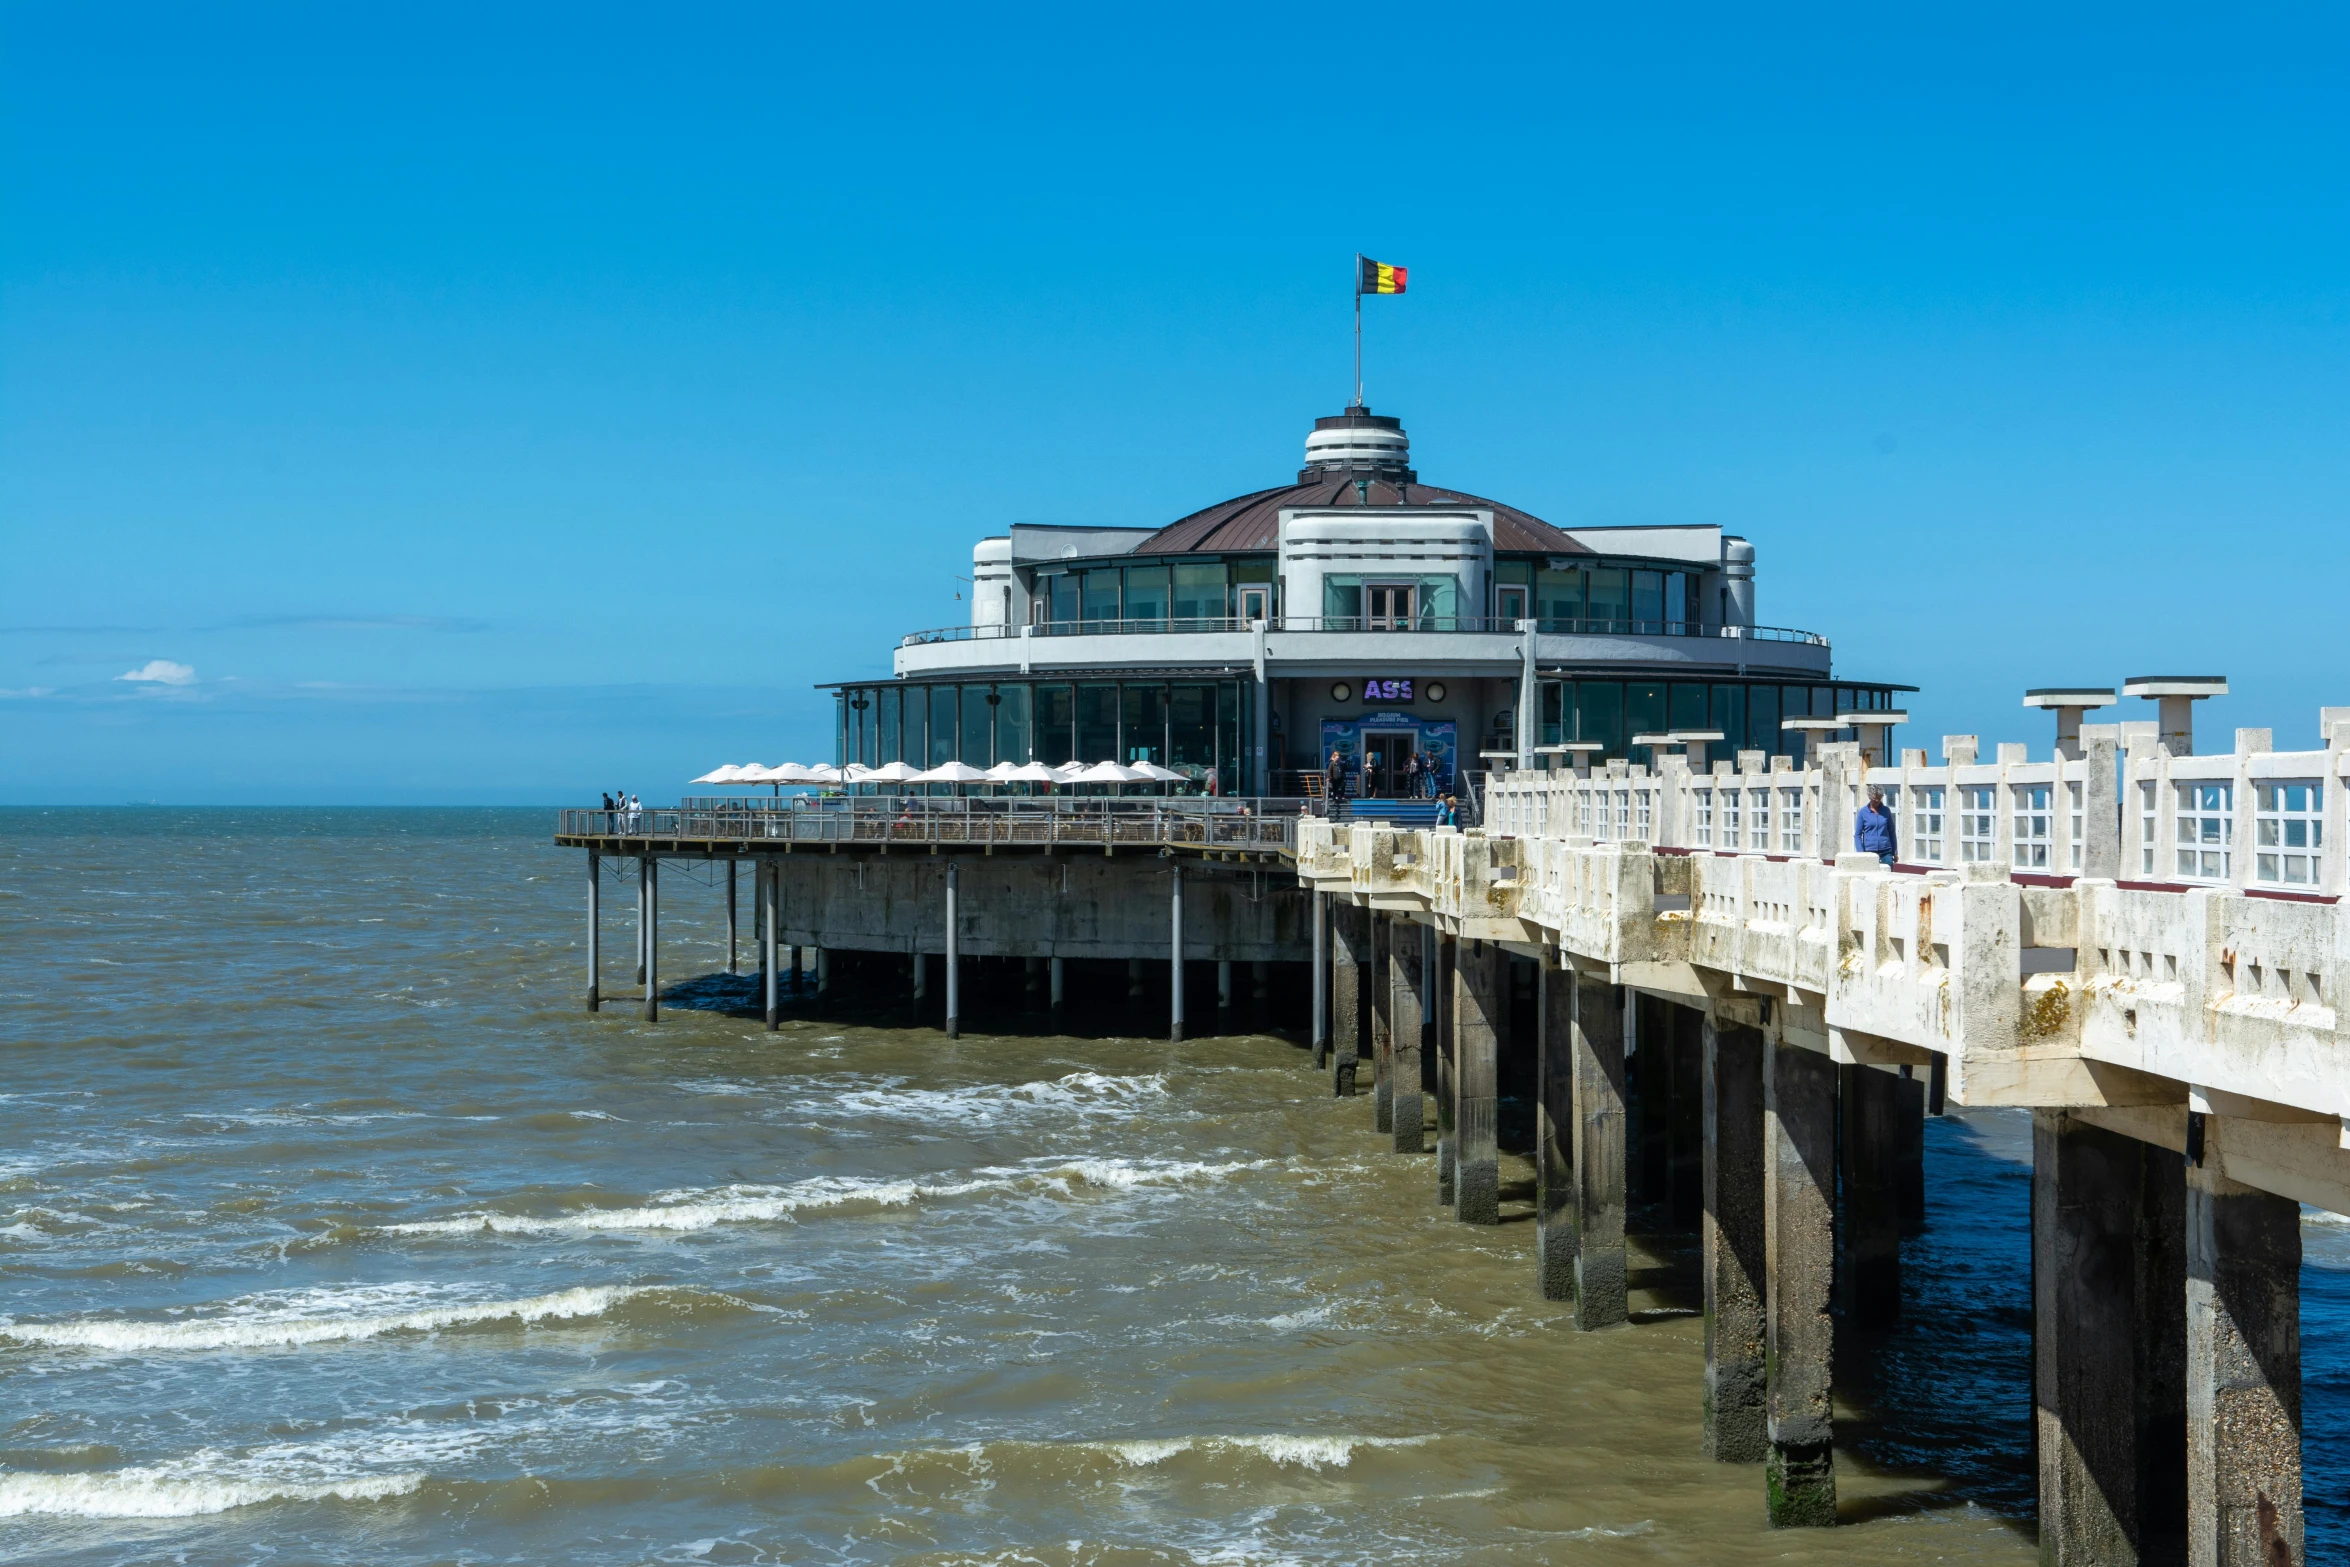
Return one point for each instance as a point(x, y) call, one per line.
point(1723, 1017)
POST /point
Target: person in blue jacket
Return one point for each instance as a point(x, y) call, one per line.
point(1872, 828)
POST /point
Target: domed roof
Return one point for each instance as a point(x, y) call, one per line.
point(1356, 458)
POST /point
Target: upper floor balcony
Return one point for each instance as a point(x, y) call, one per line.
point(1311, 641)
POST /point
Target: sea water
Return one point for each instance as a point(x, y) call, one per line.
point(334, 1230)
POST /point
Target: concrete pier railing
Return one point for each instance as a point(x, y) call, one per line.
point(1744, 1022)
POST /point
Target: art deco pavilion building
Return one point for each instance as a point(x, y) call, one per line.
point(1355, 610)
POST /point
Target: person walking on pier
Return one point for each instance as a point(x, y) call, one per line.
point(1872, 828)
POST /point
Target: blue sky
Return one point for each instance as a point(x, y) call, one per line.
point(495, 404)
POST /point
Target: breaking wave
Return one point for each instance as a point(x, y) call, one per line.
point(164, 1493)
point(754, 1204)
point(290, 1320)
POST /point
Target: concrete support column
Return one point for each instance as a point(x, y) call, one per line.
point(1175, 954)
point(1799, 1187)
point(954, 955)
point(1321, 979)
point(1598, 1153)
point(652, 898)
point(2109, 1358)
point(1477, 1162)
point(641, 899)
point(1134, 979)
point(1683, 1043)
point(921, 977)
point(1554, 1133)
point(1260, 986)
point(1909, 1175)
point(1448, 957)
point(730, 921)
point(1407, 1028)
point(1868, 1231)
point(1734, 1246)
point(1382, 982)
point(822, 963)
point(796, 982)
point(1031, 982)
point(1348, 938)
point(595, 994)
point(2243, 1375)
point(1056, 982)
point(1223, 988)
point(770, 883)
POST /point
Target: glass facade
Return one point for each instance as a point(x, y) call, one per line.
point(1747, 712)
point(1194, 727)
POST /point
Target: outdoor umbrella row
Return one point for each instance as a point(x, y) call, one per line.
point(947, 773)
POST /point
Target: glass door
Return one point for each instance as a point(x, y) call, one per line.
point(1388, 605)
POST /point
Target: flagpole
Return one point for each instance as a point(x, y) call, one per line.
point(1358, 329)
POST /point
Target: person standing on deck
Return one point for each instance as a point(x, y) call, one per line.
point(1872, 828)
point(1335, 778)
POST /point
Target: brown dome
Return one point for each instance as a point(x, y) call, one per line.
point(1355, 458)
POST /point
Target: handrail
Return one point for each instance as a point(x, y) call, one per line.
point(1165, 824)
point(1475, 625)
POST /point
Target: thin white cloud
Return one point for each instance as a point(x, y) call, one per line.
point(27, 693)
point(162, 672)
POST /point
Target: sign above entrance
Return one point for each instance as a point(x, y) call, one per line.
point(1376, 690)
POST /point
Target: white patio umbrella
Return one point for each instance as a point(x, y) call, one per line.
point(1001, 773)
point(1067, 772)
point(1158, 774)
point(1110, 773)
point(893, 772)
point(821, 773)
point(951, 773)
point(1032, 772)
point(730, 773)
point(789, 772)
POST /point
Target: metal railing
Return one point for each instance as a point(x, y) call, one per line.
point(1479, 625)
point(1231, 823)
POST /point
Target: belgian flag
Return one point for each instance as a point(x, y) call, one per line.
point(1378, 277)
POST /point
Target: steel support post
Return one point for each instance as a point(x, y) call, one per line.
point(954, 955)
point(595, 956)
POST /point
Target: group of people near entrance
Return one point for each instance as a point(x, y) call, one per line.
point(1418, 783)
point(629, 809)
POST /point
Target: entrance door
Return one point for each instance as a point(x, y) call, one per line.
point(1389, 605)
point(1384, 757)
point(1253, 602)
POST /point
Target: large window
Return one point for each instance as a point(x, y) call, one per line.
point(1599, 713)
point(2288, 831)
point(1146, 593)
point(2207, 827)
point(1064, 593)
point(1144, 727)
point(885, 705)
point(1558, 599)
point(1607, 597)
point(1011, 724)
point(1101, 594)
point(1200, 591)
point(942, 726)
point(1097, 724)
point(1648, 602)
point(1056, 725)
point(1644, 707)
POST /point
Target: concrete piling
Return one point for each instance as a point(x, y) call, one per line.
point(921, 977)
point(1407, 1028)
point(1320, 1025)
point(1223, 990)
point(1134, 979)
point(1382, 982)
point(1448, 951)
point(1868, 1230)
point(1799, 1216)
point(770, 900)
point(1175, 953)
point(2109, 1310)
point(1477, 1155)
point(595, 952)
point(1909, 1175)
point(730, 918)
point(2243, 1374)
point(1733, 1243)
point(822, 964)
point(651, 892)
point(1348, 962)
point(1598, 1153)
point(954, 954)
point(1056, 982)
point(641, 897)
point(1554, 1133)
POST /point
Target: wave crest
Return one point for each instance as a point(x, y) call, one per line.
point(317, 1317)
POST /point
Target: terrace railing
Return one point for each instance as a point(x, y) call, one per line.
point(1207, 824)
point(1480, 625)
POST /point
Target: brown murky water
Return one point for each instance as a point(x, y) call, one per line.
point(334, 1231)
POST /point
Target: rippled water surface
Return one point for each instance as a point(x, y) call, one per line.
point(334, 1230)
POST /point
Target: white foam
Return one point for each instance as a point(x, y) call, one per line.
point(1306, 1452)
point(161, 1493)
point(1086, 1094)
point(750, 1204)
point(291, 1319)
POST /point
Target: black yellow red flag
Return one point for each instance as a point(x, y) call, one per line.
point(1379, 278)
